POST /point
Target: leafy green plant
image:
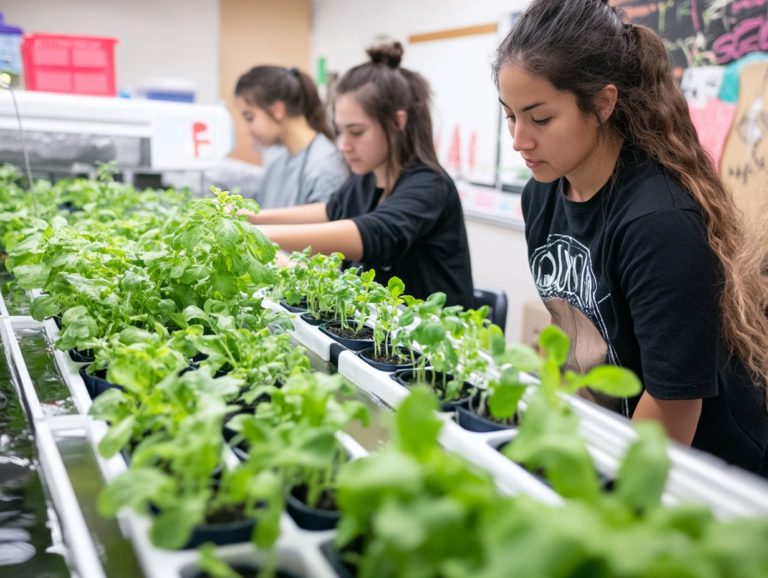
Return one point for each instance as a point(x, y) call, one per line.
point(548, 438)
point(145, 407)
point(261, 359)
point(388, 315)
point(310, 403)
point(175, 477)
point(412, 508)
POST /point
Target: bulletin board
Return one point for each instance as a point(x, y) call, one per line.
point(720, 52)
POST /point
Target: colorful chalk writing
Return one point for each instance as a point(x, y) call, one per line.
point(700, 32)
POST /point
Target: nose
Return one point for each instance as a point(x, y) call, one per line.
point(343, 143)
point(521, 137)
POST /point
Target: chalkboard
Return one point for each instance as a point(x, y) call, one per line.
point(703, 32)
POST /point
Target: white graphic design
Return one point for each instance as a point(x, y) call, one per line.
point(564, 276)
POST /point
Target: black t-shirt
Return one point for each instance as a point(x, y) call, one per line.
point(417, 233)
point(630, 276)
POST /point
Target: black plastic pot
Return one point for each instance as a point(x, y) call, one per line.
point(314, 320)
point(473, 422)
point(367, 356)
point(96, 383)
point(354, 344)
point(335, 558)
point(242, 570)
point(300, 308)
point(407, 378)
point(222, 534)
point(82, 356)
point(308, 517)
point(194, 363)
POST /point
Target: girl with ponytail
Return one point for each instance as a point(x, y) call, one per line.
point(635, 245)
point(281, 107)
point(400, 212)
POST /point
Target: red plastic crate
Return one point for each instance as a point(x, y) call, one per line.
point(73, 64)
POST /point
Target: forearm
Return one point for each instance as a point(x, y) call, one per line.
point(297, 215)
point(337, 236)
point(679, 417)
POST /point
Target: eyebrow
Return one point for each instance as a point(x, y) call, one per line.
point(525, 108)
point(350, 125)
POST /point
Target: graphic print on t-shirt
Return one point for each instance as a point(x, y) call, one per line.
point(564, 276)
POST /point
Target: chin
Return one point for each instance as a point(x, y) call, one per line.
point(545, 179)
point(545, 176)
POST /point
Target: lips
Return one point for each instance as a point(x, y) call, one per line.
point(531, 164)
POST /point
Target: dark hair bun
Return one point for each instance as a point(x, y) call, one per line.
point(390, 54)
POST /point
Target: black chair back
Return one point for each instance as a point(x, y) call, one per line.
point(496, 300)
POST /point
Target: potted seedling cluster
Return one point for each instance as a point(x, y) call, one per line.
point(226, 432)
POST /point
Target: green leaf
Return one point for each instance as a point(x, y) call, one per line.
point(610, 379)
point(497, 344)
point(32, 276)
point(173, 527)
point(506, 394)
point(418, 426)
point(43, 307)
point(117, 437)
point(521, 357)
point(429, 333)
point(395, 286)
point(132, 489)
point(555, 343)
point(211, 564)
point(643, 472)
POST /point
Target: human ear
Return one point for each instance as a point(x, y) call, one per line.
point(277, 110)
point(605, 102)
point(402, 119)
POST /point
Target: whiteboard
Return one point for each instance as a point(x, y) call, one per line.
point(465, 110)
point(471, 136)
point(513, 173)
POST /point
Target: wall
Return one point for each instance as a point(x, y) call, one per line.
point(157, 38)
point(342, 29)
point(257, 32)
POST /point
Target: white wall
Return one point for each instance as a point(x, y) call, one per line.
point(157, 38)
point(342, 29)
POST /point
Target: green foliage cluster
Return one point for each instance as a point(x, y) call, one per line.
point(412, 510)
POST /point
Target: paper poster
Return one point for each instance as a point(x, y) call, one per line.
point(743, 166)
point(713, 122)
point(701, 84)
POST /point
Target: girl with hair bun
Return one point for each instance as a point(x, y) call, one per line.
point(400, 212)
point(281, 107)
point(635, 246)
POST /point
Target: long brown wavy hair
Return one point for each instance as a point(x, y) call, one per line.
point(581, 46)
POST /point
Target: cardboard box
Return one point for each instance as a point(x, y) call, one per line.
point(535, 318)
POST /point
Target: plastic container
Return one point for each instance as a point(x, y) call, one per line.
point(69, 64)
point(168, 89)
point(10, 50)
